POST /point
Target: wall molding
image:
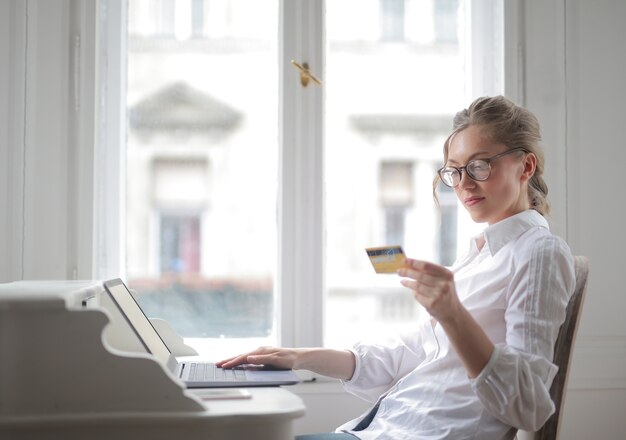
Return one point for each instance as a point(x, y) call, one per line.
point(598, 363)
point(13, 22)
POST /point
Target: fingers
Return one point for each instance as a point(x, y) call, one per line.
point(424, 267)
point(233, 362)
point(432, 286)
point(261, 356)
point(425, 274)
point(240, 359)
point(423, 278)
point(425, 295)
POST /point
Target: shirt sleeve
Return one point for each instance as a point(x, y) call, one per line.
point(380, 365)
point(515, 384)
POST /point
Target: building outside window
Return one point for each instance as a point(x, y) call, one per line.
point(203, 161)
point(396, 197)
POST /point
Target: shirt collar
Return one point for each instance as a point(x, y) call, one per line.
point(499, 234)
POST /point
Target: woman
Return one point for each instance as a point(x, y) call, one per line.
point(481, 367)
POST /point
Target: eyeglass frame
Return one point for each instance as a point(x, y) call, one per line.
point(469, 174)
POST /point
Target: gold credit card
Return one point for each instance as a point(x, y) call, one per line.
point(386, 259)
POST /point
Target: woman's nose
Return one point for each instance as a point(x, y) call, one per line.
point(466, 181)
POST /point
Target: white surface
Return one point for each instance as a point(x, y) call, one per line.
point(32, 293)
point(70, 383)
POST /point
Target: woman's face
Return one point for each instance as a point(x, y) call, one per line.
point(504, 193)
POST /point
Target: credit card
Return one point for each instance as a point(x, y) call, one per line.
point(386, 259)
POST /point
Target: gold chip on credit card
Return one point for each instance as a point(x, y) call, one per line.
point(386, 259)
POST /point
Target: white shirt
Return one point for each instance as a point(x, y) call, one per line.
point(517, 288)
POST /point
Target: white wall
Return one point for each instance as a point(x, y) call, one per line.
point(5, 56)
point(43, 150)
point(11, 142)
point(568, 58)
point(596, 93)
point(573, 78)
point(38, 135)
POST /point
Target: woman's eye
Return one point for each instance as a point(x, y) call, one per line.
point(479, 166)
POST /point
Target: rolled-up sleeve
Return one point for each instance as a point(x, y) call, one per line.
point(514, 386)
point(380, 366)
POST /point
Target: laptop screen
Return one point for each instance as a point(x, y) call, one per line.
point(138, 321)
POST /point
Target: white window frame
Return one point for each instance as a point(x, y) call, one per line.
point(110, 141)
point(301, 204)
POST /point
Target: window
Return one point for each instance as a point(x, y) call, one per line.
point(392, 20)
point(396, 197)
point(446, 21)
point(179, 197)
point(250, 198)
point(197, 18)
point(201, 156)
point(179, 244)
point(449, 225)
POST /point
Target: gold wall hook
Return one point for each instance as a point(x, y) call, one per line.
point(305, 74)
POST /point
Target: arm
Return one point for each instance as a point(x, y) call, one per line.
point(515, 385)
point(469, 341)
point(512, 379)
point(339, 364)
point(433, 287)
point(382, 362)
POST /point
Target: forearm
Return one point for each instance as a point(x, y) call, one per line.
point(339, 364)
point(469, 341)
point(434, 288)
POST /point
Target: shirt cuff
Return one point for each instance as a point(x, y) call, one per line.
point(493, 360)
point(357, 368)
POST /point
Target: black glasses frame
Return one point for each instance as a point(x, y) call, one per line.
point(487, 160)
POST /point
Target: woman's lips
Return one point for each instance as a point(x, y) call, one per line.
point(471, 201)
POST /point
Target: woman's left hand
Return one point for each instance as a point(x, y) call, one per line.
point(433, 287)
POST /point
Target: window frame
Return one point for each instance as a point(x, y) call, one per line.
point(300, 203)
point(300, 291)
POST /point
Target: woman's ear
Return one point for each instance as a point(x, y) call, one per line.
point(530, 165)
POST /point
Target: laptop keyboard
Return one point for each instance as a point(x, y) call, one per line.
point(207, 372)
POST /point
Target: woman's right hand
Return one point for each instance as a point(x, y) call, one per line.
point(276, 357)
point(328, 362)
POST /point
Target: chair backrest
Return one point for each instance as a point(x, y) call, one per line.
point(563, 349)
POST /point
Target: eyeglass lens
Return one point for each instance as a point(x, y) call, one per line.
point(477, 170)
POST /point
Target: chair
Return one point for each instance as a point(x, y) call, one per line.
point(563, 350)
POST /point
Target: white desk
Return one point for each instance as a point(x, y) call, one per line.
point(61, 377)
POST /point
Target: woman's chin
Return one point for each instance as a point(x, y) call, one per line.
point(477, 216)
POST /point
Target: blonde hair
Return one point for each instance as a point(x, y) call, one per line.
point(505, 122)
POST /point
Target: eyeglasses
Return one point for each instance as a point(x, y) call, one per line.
point(477, 169)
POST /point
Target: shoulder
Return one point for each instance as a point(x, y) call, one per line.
point(541, 245)
point(543, 259)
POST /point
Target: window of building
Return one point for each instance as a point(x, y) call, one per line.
point(392, 20)
point(179, 244)
point(446, 21)
point(448, 207)
point(396, 198)
point(197, 17)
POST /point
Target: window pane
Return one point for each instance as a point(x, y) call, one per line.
point(202, 156)
point(390, 98)
point(180, 244)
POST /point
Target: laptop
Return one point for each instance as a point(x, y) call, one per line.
point(194, 374)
